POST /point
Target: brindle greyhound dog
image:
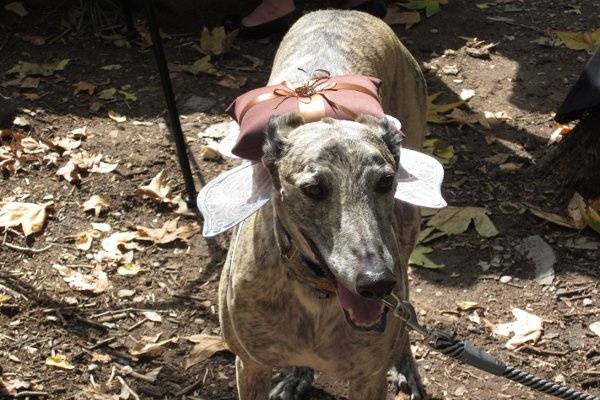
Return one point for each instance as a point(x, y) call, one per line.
point(333, 202)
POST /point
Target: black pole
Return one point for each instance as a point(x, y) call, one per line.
point(126, 7)
point(175, 125)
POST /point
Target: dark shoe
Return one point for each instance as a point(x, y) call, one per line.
point(377, 8)
point(274, 27)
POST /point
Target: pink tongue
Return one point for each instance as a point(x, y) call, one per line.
point(364, 311)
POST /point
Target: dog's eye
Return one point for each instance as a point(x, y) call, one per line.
point(315, 191)
point(385, 184)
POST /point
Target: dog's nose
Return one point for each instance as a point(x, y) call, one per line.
point(375, 285)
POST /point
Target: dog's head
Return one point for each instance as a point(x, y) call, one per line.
point(334, 185)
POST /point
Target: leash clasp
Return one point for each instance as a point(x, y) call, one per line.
point(405, 311)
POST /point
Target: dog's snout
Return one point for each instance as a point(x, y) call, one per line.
point(375, 285)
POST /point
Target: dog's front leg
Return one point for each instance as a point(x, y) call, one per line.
point(405, 376)
point(372, 387)
point(253, 380)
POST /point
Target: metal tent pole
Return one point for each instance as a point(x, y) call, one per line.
point(175, 125)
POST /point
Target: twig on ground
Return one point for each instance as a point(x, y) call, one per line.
point(193, 386)
point(26, 249)
point(124, 310)
point(513, 23)
point(13, 292)
point(29, 393)
point(92, 323)
point(188, 297)
point(102, 342)
point(583, 313)
point(129, 389)
point(539, 351)
point(114, 317)
point(127, 371)
point(137, 324)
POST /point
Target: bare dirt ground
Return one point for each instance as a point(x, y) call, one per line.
point(44, 315)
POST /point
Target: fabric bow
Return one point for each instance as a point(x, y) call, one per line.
point(311, 96)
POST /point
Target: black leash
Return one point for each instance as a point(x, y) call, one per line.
point(466, 353)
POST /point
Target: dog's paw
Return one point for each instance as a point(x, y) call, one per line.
point(293, 386)
point(407, 381)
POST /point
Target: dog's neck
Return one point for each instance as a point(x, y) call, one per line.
point(302, 259)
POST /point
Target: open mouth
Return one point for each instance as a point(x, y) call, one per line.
point(362, 313)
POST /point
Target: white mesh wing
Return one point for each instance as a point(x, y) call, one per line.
point(420, 180)
point(233, 196)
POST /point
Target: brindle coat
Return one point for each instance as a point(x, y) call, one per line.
point(270, 319)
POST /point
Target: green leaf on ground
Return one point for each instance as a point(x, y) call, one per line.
point(111, 67)
point(419, 258)
point(588, 41)
point(431, 7)
point(201, 66)
point(456, 220)
point(16, 7)
point(435, 112)
point(217, 41)
point(443, 150)
point(24, 68)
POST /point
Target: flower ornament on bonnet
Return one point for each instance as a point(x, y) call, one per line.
point(240, 192)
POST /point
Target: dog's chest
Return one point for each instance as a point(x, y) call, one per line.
point(304, 330)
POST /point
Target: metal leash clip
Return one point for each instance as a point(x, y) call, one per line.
point(405, 311)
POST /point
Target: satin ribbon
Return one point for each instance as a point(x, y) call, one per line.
point(311, 96)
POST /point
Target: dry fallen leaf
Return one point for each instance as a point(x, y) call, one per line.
point(467, 305)
point(115, 116)
point(150, 350)
point(70, 172)
point(67, 144)
point(96, 282)
point(103, 167)
point(527, 327)
point(158, 188)
point(554, 218)
point(97, 204)
point(17, 8)
point(31, 217)
point(120, 242)
point(205, 347)
point(210, 151)
point(399, 16)
point(466, 94)
point(83, 86)
point(129, 269)
point(4, 298)
point(167, 233)
point(58, 361)
point(232, 82)
point(588, 41)
point(557, 134)
point(101, 358)
point(83, 240)
point(152, 316)
point(595, 327)
point(101, 227)
point(577, 211)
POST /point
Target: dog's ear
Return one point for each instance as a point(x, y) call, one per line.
point(276, 133)
point(389, 129)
